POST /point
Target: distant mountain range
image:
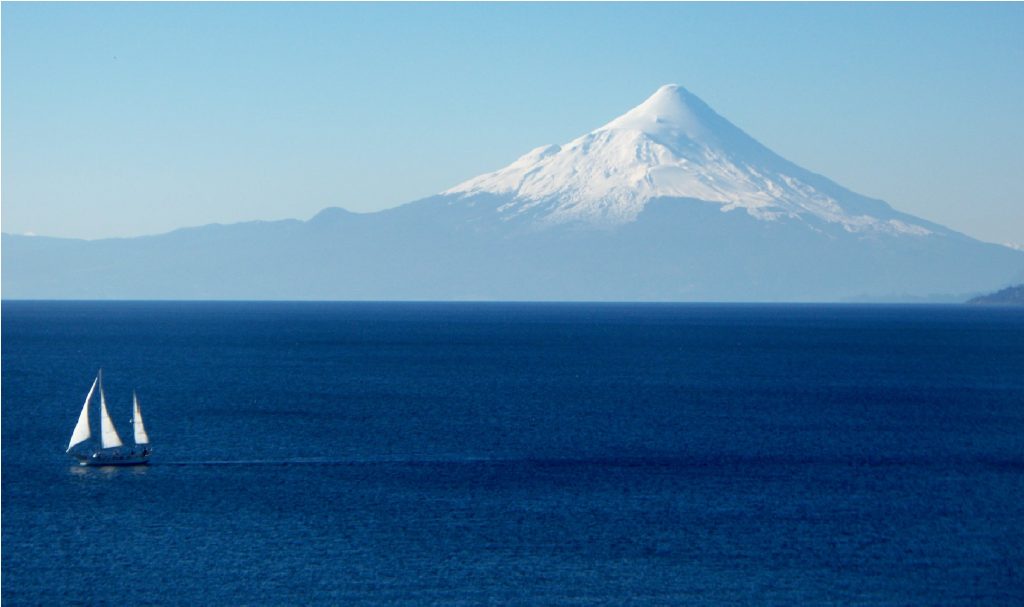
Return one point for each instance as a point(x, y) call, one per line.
point(668, 202)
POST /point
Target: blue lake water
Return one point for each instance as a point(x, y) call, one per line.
point(403, 453)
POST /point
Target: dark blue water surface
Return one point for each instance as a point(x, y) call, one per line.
point(351, 453)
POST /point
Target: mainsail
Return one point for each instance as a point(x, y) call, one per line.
point(141, 438)
point(82, 431)
point(109, 436)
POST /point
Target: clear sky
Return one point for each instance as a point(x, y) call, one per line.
point(123, 119)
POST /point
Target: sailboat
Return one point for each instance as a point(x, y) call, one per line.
point(111, 451)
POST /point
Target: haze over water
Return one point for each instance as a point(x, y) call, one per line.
point(371, 453)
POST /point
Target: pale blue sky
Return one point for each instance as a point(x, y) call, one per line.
point(126, 119)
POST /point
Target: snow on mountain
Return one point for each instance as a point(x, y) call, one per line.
point(671, 146)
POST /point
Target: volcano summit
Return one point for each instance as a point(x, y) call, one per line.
point(669, 201)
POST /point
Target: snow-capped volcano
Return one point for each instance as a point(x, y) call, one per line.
point(672, 146)
point(686, 206)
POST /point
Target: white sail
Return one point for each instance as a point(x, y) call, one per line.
point(141, 438)
point(82, 431)
point(109, 436)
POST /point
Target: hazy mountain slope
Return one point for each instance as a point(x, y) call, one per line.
point(1010, 296)
point(675, 250)
point(668, 202)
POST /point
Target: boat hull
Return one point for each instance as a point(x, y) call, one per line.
point(105, 458)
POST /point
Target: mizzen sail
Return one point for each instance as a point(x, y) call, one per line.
point(141, 438)
point(82, 431)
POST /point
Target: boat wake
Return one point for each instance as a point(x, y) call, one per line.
point(328, 461)
point(256, 462)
